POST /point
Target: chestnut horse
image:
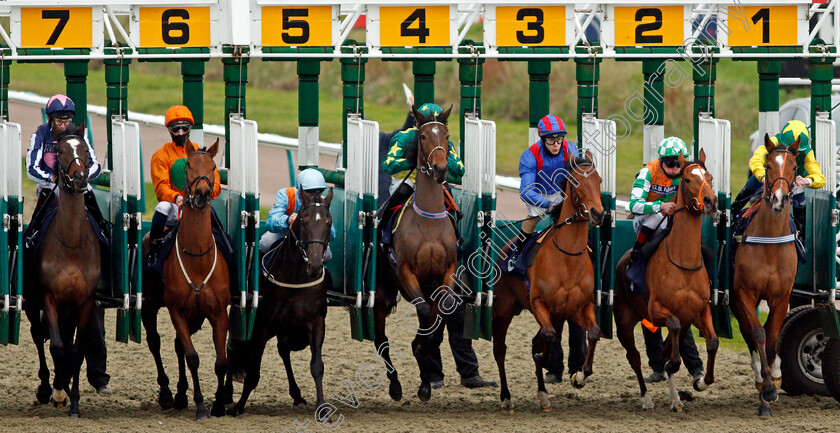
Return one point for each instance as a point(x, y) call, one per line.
point(294, 300)
point(195, 286)
point(562, 281)
point(765, 271)
point(425, 247)
point(678, 285)
point(67, 270)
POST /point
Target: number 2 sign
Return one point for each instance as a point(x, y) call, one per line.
point(638, 26)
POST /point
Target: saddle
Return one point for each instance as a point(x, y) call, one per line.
point(223, 243)
point(636, 274)
point(525, 258)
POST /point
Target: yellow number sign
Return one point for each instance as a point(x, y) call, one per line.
point(762, 25)
point(298, 26)
point(56, 27)
point(414, 26)
point(175, 27)
point(532, 26)
point(649, 26)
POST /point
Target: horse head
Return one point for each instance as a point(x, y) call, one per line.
point(311, 229)
point(780, 165)
point(696, 186)
point(585, 188)
point(432, 144)
point(200, 175)
point(73, 159)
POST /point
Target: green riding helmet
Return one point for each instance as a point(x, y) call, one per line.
point(672, 147)
point(793, 129)
point(430, 109)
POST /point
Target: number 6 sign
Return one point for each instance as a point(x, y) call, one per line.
point(172, 26)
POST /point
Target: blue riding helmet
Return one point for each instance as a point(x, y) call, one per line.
point(311, 179)
point(550, 125)
point(61, 107)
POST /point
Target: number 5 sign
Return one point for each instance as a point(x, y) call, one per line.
point(173, 26)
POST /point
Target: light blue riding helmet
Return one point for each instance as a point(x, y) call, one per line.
point(311, 179)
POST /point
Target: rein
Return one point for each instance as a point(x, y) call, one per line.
point(696, 209)
point(64, 171)
point(301, 245)
point(580, 216)
point(189, 200)
point(426, 166)
point(768, 187)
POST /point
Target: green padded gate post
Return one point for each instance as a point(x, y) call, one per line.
point(704, 74)
point(470, 74)
point(538, 96)
point(192, 72)
point(587, 74)
point(76, 72)
point(235, 73)
point(4, 86)
point(424, 81)
point(7, 319)
point(768, 94)
point(308, 93)
point(116, 93)
point(821, 74)
point(654, 103)
point(353, 88)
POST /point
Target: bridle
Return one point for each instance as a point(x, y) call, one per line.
point(301, 243)
point(768, 187)
point(64, 171)
point(426, 165)
point(189, 199)
point(580, 216)
point(696, 204)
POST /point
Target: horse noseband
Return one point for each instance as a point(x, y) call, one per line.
point(189, 200)
point(426, 168)
point(303, 244)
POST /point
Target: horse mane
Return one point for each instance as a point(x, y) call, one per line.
point(72, 129)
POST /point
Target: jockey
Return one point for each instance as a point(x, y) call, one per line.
point(402, 157)
point(41, 159)
point(542, 169)
point(808, 173)
point(654, 191)
point(179, 121)
point(286, 207)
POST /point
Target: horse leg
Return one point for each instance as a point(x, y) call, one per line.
point(383, 347)
point(502, 316)
point(182, 330)
point(219, 322)
point(59, 396)
point(182, 387)
point(149, 317)
point(625, 324)
point(316, 365)
point(429, 337)
point(37, 333)
point(659, 313)
point(83, 319)
point(294, 389)
point(252, 372)
point(771, 330)
point(754, 335)
point(586, 320)
point(707, 329)
point(548, 334)
point(539, 351)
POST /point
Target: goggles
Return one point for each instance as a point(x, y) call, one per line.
point(178, 128)
point(671, 162)
point(553, 137)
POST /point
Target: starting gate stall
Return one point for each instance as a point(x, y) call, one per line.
point(715, 138)
point(477, 272)
point(11, 237)
point(241, 217)
point(361, 195)
point(599, 138)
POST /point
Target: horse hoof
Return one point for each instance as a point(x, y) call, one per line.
point(165, 399)
point(764, 412)
point(218, 409)
point(700, 385)
point(685, 396)
point(676, 408)
point(180, 401)
point(43, 394)
point(647, 402)
point(424, 393)
point(72, 414)
point(545, 403)
point(769, 396)
point(507, 405)
point(759, 386)
point(236, 410)
point(201, 416)
point(300, 402)
point(59, 399)
point(778, 382)
point(578, 380)
point(395, 391)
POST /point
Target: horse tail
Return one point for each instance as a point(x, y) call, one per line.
point(237, 353)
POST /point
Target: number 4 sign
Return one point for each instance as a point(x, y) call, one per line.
point(411, 26)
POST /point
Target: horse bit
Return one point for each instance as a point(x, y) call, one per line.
point(426, 167)
point(769, 187)
point(188, 200)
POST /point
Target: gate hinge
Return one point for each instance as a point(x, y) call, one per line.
point(479, 219)
point(835, 217)
point(7, 222)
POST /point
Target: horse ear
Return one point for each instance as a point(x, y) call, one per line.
point(589, 155)
point(189, 147)
point(418, 116)
point(767, 143)
point(305, 198)
point(329, 197)
point(795, 146)
point(214, 148)
point(81, 130)
point(445, 115)
point(702, 156)
point(681, 159)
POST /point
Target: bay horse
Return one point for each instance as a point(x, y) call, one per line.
point(293, 308)
point(678, 285)
point(195, 287)
point(425, 247)
point(67, 270)
point(562, 281)
point(766, 271)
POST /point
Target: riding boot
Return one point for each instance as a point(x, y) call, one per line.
point(636, 254)
point(31, 232)
point(155, 238)
point(799, 214)
point(740, 201)
point(93, 207)
point(399, 197)
point(518, 244)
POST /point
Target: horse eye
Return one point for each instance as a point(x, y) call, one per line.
point(688, 181)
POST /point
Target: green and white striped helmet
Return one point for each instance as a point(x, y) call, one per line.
point(672, 147)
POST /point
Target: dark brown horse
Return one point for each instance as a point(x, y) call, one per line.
point(293, 288)
point(677, 282)
point(562, 281)
point(766, 271)
point(195, 287)
point(66, 273)
point(425, 247)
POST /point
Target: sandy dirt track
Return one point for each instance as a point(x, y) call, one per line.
point(608, 403)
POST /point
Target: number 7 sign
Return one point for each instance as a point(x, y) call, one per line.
point(70, 27)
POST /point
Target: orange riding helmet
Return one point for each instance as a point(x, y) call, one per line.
point(179, 112)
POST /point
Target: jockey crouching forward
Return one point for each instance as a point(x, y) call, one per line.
point(287, 204)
